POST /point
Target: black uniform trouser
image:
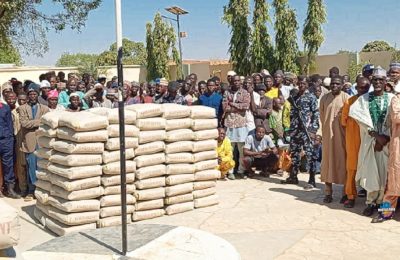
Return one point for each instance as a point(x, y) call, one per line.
point(298, 142)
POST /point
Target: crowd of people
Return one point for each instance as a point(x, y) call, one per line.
point(268, 124)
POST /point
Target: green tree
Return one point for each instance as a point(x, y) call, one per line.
point(86, 63)
point(9, 54)
point(396, 56)
point(286, 48)
point(377, 46)
point(160, 48)
point(235, 16)
point(26, 25)
point(313, 34)
point(261, 50)
point(133, 53)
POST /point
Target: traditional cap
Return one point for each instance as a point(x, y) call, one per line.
point(6, 85)
point(242, 78)
point(33, 87)
point(379, 72)
point(135, 83)
point(327, 82)
point(368, 67)
point(260, 87)
point(265, 72)
point(231, 73)
point(163, 82)
point(97, 85)
point(289, 75)
point(52, 94)
point(102, 76)
point(395, 65)
point(173, 86)
point(73, 95)
point(114, 78)
point(279, 72)
point(45, 84)
point(114, 85)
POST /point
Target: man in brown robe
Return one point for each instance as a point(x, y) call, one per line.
point(333, 167)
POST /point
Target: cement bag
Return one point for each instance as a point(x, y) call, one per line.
point(179, 208)
point(179, 135)
point(45, 130)
point(206, 201)
point(62, 229)
point(51, 118)
point(148, 124)
point(42, 174)
point(179, 179)
point(180, 168)
point(83, 122)
point(174, 124)
point(110, 190)
point(113, 221)
point(113, 143)
point(147, 214)
point(145, 110)
point(78, 148)
point(179, 158)
point(178, 199)
point(206, 145)
point(205, 134)
point(149, 204)
point(198, 112)
point(43, 208)
point(150, 194)
point(178, 147)
point(200, 185)
point(130, 131)
point(43, 164)
point(115, 167)
point(113, 116)
point(115, 200)
point(116, 179)
point(74, 173)
point(74, 218)
point(91, 193)
point(45, 142)
point(42, 195)
point(150, 171)
point(207, 175)
point(74, 206)
point(148, 160)
point(76, 159)
point(172, 111)
point(203, 156)
point(115, 211)
point(150, 148)
point(71, 185)
point(150, 183)
point(10, 227)
point(206, 165)
point(40, 216)
point(204, 124)
point(66, 133)
point(44, 185)
point(44, 153)
point(114, 156)
point(101, 111)
point(151, 136)
point(178, 189)
point(204, 193)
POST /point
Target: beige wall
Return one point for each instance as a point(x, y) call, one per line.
point(202, 70)
point(220, 70)
point(325, 62)
point(382, 58)
point(32, 73)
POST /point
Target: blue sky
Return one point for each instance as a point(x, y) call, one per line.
point(351, 24)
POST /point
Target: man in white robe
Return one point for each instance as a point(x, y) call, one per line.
point(371, 112)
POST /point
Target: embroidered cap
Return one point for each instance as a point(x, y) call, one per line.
point(44, 84)
point(379, 72)
point(395, 65)
point(231, 73)
point(163, 82)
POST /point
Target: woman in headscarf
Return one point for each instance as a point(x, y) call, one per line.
point(52, 101)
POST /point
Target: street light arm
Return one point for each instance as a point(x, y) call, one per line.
point(169, 18)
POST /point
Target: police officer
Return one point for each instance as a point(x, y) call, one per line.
point(7, 150)
point(304, 124)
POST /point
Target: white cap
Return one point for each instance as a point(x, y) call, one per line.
point(73, 95)
point(327, 82)
point(265, 72)
point(45, 84)
point(231, 73)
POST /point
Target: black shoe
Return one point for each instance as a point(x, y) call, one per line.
point(328, 199)
point(343, 199)
point(349, 204)
point(290, 180)
point(362, 193)
point(11, 193)
point(369, 210)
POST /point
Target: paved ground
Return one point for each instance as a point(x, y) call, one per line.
point(266, 220)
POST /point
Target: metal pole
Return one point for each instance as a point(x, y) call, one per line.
point(121, 114)
point(180, 43)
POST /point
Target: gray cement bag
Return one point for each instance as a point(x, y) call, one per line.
point(42, 195)
point(91, 193)
point(206, 145)
point(111, 180)
point(83, 122)
point(62, 229)
point(149, 160)
point(150, 148)
point(150, 194)
point(44, 185)
point(148, 124)
point(203, 156)
point(204, 193)
point(202, 112)
point(200, 185)
point(74, 206)
point(42, 174)
point(78, 148)
point(178, 199)
point(66, 133)
point(76, 159)
point(51, 118)
point(113, 116)
point(74, 173)
point(45, 130)
point(179, 208)
point(115, 211)
point(172, 111)
point(44, 153)
point(179, 179)
point(45, 142)
point(147, 214)
point(179, 135)
point(72, 219)
point(178, 189)
point(43, 164)
point(113, 221)
point(110, 190)
point(115, 200)
point(130, 130)
point(174, 124)
point(204, 124)
point(179, 158)
point(150, 171)
point(114, 168)
point(205, 134)
point(73, 185)
point(180, 168)
point(40, 216)
point(114, 156)
point(206, 201)
point(145, 110)
point(151, 136)
point(178, 147)
point(206, 165)
point(207, 175)
point(150, 183)
point(113, 143)
point(149, 204)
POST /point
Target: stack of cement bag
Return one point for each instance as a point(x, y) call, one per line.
point(70, 168)
point(150, 159)
point(205, 156)
point(179, 159)
point(110, 202)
